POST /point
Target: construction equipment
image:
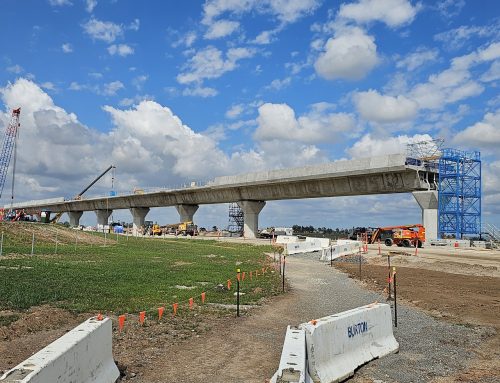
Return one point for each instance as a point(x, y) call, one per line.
point(79, 195)
point(156, 230)
point(183, 228)
point(9, 145)
point(404, 235)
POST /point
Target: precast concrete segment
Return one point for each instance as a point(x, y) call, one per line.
point(251, 210)
point(377, 175)
point(293, 362)
point(103, 216)
point(428, 202)
point(340, 343)
point(83, 355)
point(138, 218)
point(74, 218)
point(186, 212)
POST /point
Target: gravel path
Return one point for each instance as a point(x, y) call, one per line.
point(248, 349)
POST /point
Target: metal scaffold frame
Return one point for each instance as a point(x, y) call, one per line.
point(236, 219)
point(459, 193)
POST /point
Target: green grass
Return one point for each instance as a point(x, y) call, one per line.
point(128, 276)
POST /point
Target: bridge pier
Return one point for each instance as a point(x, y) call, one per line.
point(186, 212)
point(102, 216)
point(74, 218)
point(138, 218)
point(251, 210)
point(428, 201)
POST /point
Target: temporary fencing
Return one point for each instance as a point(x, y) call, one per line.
point(190, 303)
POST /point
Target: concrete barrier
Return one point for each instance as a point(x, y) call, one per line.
point(293, 362)
point(338, 344)
point(309, 245)
point(83, 355)
point(340, 250)
point(286, 239)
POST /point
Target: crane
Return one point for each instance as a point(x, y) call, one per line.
point(9, 145)
point(79, 195)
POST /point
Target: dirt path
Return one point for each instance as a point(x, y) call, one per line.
point(248, 349)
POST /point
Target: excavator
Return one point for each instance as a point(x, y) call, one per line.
point(79, 195)
point(402, 236)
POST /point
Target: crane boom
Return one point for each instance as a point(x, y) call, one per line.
point(94, 181)
point(8, 144)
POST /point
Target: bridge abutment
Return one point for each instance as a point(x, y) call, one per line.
point(186, 212)
point(251, 210)
point(74, 218)
point(428, 201)
point(103, 216)
point(138, 218)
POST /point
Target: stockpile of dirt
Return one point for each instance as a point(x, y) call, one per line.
point(22, 233)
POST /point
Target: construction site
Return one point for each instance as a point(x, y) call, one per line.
point(441, 317)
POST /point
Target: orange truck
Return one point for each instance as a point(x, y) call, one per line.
point(402, 236)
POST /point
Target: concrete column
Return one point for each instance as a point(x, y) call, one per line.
point(74, 218)
point(102, 216)
point(251, 210)
point(428, 201)
point(138, 218)
point(186, 212)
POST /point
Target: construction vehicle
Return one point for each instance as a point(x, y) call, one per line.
point(156, 230)
point(79, 195)
point(402, 236)
point(183, 228)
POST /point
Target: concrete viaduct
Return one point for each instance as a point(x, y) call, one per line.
point(375, 175)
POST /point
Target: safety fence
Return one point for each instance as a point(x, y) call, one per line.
point(175, 307)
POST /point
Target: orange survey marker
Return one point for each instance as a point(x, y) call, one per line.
point(238, 276)
point(243, 276)
point(160, 312)
point(250, 275)
point(99, 316)
point(229, 284)
point(191, 302)
point(203, 297)
point(142, 317)
point(175, 305)
point(121, 322)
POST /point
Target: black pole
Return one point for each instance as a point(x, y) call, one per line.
point(360, 265)
point(395, 303)
point(238, 293)
point(331, 256)
point(280, 263)
point(389, 280)
point(284, 263)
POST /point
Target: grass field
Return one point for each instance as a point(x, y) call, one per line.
point(86, 273)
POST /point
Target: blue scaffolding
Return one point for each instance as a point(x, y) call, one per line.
point(459, 194)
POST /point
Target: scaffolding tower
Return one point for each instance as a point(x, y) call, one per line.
point(459, 193)
point(236, 219)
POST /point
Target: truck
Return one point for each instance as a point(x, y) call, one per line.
point(275, 231)
point(402, 236)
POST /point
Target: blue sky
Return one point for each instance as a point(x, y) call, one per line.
point(172, 92)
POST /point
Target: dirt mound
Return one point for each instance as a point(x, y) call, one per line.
point(21, 233)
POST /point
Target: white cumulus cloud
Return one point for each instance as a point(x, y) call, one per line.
point(373, 106)
point(394, 13)
point(369, 146)
point(351, 55)
point(278, 122)
point(484, 134)
point(90, 5)
point(67, 48)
